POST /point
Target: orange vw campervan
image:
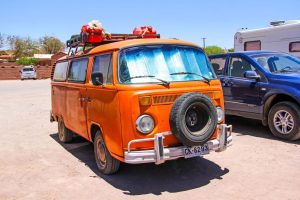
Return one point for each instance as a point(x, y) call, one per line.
point(139, 100)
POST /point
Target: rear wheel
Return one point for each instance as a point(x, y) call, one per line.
point(64, 134)
point(284, 120)
point(105, 162)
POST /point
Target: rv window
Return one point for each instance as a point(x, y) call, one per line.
point(252, 45)
point(295, 46)
point(103, 64)
point(60, 72)
point(77, 72)
point(218, 65)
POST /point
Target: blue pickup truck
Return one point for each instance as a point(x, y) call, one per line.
point(262, 85)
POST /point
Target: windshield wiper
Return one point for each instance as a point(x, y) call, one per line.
point(206, 80)
point(166, 83)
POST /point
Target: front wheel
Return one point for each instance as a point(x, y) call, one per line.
point(105, 162)
point(284, 121)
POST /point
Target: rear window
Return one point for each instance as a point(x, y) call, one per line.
point(77, 72)
point(60, 72)
point(252, 45)
point(218, 65)
point(27, 69)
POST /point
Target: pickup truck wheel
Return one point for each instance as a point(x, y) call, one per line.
point(105, 162)
point(284, 121)
point(64, 134)
point(193, 119)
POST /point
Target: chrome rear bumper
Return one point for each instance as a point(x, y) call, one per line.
point(160, 154)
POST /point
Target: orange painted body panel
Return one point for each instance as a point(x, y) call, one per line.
point(115, 108)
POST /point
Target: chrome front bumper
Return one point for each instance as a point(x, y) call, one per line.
point(160, 154)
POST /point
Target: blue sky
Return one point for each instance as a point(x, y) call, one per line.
point(217, 20)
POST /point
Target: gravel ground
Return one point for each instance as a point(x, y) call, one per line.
point(34, 165)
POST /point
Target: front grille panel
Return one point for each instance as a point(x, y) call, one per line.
point(164, 99)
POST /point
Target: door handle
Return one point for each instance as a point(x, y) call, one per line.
point(227, 82)
point(87, 99)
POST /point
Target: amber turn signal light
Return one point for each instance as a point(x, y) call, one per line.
point(145, 101)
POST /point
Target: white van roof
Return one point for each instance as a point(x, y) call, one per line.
point(274, 26)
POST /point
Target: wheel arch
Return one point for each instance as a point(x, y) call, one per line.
point(93, 129)
point(272, 100)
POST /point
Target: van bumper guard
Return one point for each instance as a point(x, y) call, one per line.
point(160, 154)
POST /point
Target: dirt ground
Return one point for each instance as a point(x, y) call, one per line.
point(34, 165)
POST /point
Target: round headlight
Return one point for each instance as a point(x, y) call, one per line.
point(220, 114)
point(145, 124)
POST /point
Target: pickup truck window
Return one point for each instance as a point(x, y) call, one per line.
point(60, 72)
point(238, 66)
point(102, 64)
point(218, 65)
point(278, 62)
point(78, 70)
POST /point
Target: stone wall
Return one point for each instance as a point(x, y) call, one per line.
point(10, 71)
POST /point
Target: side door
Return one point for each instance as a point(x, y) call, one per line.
point(103, 107)
point(76, 97)
point(241, 94)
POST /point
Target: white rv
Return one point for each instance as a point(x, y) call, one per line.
point(281, 36)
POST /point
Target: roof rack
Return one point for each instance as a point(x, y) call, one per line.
point(92, 40)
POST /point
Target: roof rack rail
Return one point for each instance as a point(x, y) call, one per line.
point(93, 35)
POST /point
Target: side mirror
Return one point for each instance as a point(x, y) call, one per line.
point(97, 78)
point(251, 75)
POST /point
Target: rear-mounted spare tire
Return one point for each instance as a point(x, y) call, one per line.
point(193, 119)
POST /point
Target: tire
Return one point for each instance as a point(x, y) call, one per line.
point(289, 128)
point(64, 134)
point(105, 162)
point(193, 119)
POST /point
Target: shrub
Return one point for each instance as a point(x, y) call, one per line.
point(27, 61)
point(213, 50)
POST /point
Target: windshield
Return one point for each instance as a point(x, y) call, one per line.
point(278, 62)
point(170, 63)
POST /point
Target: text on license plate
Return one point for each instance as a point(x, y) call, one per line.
point(196, 151)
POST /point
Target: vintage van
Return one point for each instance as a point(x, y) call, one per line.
point(140, 101)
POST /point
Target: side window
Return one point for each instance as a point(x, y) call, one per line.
point(103, 64)
point(77, 72)
point(238, 66)
point(60, 71)
point(218, 65)
point(294, 47)
point(252, 45)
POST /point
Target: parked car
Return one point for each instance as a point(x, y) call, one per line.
point(140, 101)
point(262, 85)
point(280, 36)
point(28, 72)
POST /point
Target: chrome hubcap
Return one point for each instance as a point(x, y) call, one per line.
point(283, 122)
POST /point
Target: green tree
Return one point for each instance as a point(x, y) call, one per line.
point(51, 45)
point(27, 61)
point(230, 50)
point(11, 40)
point(23, 47)
point(213, 50)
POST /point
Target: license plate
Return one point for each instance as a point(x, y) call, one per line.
point(194, 151)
